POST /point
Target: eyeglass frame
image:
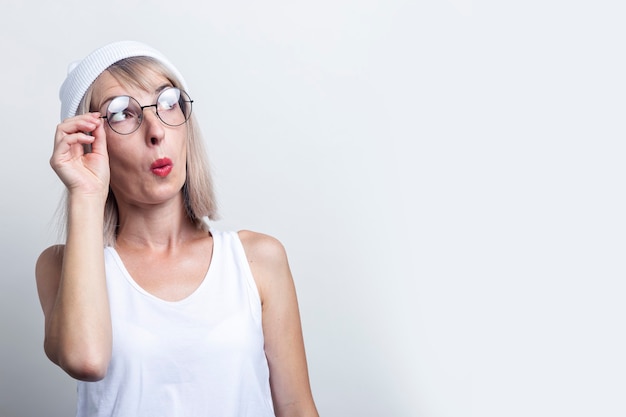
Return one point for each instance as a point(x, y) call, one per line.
point(156, 111)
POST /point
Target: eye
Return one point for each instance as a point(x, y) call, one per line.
point(168, 99)
point(118, 117)
point(122, 116)
point(121, 109)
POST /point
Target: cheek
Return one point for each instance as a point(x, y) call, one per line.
point(122, 163)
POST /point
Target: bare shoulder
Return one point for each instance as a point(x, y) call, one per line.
point(49, 261)
point(268, 263)
point(262, 249)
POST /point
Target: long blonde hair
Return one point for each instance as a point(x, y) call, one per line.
point(198, 191)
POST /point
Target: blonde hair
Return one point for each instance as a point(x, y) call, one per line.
point(198, 191)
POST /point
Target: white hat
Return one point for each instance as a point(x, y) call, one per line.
point(82, 74)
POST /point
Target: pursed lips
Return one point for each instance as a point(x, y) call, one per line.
point(161, 167)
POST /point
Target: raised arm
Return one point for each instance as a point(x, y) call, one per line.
point(284, 345)
point(70, 278)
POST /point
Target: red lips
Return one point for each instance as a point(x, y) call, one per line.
point(161, 167)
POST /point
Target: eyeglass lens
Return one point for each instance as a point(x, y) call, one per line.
point(125, 114)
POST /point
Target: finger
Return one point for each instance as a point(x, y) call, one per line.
point(86, 116)
point(82, 123)
point(66, 142)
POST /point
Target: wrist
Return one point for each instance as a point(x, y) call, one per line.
point(93, 200)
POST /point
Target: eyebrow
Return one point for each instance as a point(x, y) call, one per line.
point(163, 87)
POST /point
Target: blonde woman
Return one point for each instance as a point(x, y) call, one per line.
point(151, 311)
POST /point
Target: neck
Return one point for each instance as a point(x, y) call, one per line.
point(159, 227)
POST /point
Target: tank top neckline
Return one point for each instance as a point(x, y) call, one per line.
point(207, 276)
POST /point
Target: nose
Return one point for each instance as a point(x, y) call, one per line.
point(155, 132)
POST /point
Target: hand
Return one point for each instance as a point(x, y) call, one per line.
point(85, 173)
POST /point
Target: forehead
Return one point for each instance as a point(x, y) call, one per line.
point(107, 86)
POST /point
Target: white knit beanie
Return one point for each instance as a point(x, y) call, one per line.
point(83, 73)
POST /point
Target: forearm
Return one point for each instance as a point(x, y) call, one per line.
point(78, 333)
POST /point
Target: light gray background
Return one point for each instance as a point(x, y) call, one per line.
point(448, 180)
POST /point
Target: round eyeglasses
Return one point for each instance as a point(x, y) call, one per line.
point(124, 114)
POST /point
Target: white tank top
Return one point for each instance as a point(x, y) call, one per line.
point(199, 357)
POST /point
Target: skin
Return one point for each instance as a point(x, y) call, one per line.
point(164, 252)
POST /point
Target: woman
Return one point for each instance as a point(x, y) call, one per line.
point(151, 312)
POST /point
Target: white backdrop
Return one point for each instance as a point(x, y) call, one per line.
point(448, 180)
